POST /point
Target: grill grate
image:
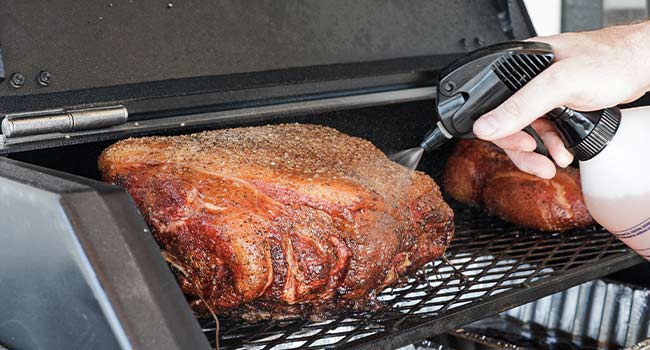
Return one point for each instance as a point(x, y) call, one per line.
point(491, 266)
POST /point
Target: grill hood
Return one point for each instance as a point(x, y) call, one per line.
point(191, 53)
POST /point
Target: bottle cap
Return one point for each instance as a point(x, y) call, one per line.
point(599, 137)
point(586, 133)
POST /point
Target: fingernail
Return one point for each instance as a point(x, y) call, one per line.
point(565, 160)
point(485, 126)
point(547, 173)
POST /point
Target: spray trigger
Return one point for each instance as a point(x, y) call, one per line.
point(541, 148)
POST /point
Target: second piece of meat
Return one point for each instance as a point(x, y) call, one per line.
point(479, 173)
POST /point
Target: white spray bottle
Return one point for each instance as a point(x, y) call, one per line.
point(616, 181)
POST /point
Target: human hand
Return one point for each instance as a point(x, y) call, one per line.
point(592, 70)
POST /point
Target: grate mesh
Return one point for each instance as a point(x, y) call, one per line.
point(491, 266)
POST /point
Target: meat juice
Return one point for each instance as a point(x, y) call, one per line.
point(616, 182)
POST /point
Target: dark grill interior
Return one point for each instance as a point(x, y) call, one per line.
point(492, 266)
point(499, 265)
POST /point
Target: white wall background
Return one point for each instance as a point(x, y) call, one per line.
point(545, 15)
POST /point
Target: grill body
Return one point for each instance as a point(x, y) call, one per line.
point(80, 269)
point(492, 265)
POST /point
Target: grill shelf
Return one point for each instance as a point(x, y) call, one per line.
point(502, 266)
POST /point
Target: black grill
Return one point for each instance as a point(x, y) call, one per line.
point(491, 266)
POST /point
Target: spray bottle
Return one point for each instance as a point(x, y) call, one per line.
point(611, 145)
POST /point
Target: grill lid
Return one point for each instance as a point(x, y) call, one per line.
point(66, 54)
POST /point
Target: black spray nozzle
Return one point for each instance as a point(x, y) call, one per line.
point(435, 138)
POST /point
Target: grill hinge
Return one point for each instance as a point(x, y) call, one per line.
point(61, 121)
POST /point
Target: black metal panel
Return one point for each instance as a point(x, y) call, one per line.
point(2, 66)
point(133, 47)
point(247, 89)
point(46, 301)
point(80, 271)
point(198, 121)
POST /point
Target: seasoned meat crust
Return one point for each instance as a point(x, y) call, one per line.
point(284, 220)
point(481, 174)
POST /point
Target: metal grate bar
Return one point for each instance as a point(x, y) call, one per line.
point(501, 266)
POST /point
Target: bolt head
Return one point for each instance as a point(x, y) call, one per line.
point(17, 80)
point(449, 86)
point(44, 78)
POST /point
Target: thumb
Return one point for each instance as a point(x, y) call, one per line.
point(540, 95)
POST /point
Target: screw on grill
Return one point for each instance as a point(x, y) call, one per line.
point(17, 80)
point(44, 78)
point(449, 86)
